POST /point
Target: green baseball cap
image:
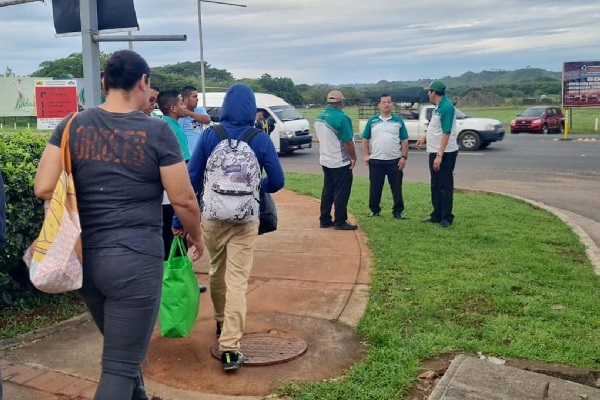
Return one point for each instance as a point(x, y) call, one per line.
point(438, 86)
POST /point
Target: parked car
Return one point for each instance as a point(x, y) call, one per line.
point(539, 119)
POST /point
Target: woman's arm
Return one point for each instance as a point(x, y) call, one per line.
point(48, 172)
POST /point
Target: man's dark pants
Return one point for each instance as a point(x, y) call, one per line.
point(442, 187)
point(337, 184)
point(378, 171)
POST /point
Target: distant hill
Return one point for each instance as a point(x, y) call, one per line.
point(476, 79)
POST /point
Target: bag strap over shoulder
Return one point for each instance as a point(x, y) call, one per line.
point(246, 138)
point(250, 134)
point(221, 132)
point(64, 146)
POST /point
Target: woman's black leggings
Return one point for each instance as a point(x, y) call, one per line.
point(121, 288)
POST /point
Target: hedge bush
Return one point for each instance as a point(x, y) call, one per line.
point(19, 156)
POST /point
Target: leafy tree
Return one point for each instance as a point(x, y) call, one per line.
point(351, 94)
point(192, 69)
point(253, 83)
point(8, 72)
point(282, 87)
point(166, 80)
point(316, 94)
point(70, 66)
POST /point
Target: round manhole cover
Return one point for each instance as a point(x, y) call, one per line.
point(267, 348)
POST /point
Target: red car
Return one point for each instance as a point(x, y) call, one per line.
point(540, 119)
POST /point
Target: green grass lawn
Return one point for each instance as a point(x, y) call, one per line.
point(507, 279)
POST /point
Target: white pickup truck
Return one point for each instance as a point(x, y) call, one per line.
point(473, 133)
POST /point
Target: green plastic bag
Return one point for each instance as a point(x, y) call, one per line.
point(180, 296)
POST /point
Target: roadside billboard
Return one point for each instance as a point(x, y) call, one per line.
point(17, 96)
point(55, 100)
point(581, 84)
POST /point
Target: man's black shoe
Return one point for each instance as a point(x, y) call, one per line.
point(445, 224)
point(328, 224)
point(201, 288)
point(399, 215)
point(232, 360)
point(434, 221)
point(346, 227)
point(374, 214)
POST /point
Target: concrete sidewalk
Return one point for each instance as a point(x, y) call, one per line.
point(309, 282)
point(306, 281)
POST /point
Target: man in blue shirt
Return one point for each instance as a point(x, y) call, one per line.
point(194, 118)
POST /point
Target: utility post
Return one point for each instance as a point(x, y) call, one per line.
point(90, 52)
point(202, 80)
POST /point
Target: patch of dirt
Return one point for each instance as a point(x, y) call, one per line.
point(433, 369)
point(187, 363)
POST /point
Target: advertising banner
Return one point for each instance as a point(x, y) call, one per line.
point(55, 100)
point(581, 84)
point(17, 96)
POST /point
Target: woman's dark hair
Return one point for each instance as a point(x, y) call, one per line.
point(123, 69)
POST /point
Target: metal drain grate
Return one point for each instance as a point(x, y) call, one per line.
point(267, 348)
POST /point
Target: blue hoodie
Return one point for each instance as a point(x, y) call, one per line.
point(237, 117)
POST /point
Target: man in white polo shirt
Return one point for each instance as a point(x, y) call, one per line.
point(443, 149)
point(385, 151)
point(337, 158)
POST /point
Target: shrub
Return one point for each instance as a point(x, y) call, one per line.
point(19, 157)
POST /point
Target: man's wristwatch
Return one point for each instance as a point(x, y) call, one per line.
point(405, 157)
point(439, 154)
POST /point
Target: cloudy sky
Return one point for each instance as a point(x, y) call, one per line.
point(334, 41)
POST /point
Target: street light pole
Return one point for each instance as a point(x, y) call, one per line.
point(202, 80)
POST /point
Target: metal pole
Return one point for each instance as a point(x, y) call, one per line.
point(202, 80)
point(90, 52)
point(129, 35)
point(202, 83)
point(138, 38)
point(15, 2)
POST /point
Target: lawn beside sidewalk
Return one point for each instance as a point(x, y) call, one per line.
point(507, 279)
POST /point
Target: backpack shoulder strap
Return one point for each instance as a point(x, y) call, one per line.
point(221, 132)
point(250, 134)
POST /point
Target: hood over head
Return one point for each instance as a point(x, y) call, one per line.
point(239, 110)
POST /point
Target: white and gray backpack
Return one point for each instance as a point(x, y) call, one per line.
point(232, 180)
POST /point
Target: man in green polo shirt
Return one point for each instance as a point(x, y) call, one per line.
point(442, 148)
point(171, 105)
point(385, 151)
point(337, 158)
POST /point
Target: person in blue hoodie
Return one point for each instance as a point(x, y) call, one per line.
point(231, 245)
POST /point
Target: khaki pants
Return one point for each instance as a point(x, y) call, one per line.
point(231, 250)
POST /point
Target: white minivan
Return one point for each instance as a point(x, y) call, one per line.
point(292, 130)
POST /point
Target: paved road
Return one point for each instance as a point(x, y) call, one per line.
point(561, 173)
